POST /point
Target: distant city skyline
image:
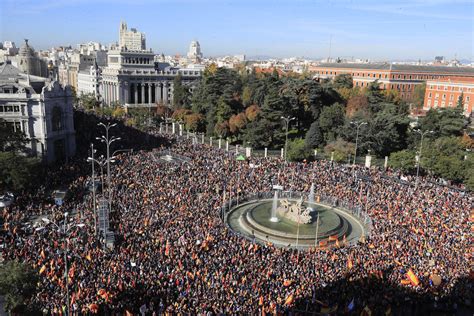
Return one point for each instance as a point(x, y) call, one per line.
point(389, 30)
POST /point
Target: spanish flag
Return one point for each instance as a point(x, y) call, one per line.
point(405, 282)
point(167, 248)
point(349, 263)
point(287, 283)
point(260, 301)
point(413, 278)
point(332, 238)
point(42, 270)
point(289, 300)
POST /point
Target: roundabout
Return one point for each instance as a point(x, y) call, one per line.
point(269, 220)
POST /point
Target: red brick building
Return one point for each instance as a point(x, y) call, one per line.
point(402, 78)
point(444, 93)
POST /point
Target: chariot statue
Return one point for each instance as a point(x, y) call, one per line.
point(295, 212)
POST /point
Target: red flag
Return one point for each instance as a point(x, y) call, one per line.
point(413, 278)
point(167, 249)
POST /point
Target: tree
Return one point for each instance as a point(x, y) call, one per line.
point(88, 101)
point(11, 140)
point(297, 150)
point(330, 119)
point(252, 112)
point(419, 95)
point(237, 122)
point(343, 81)
point(194, 122)
point(375, 97)
point(181, 94)
point(403, 160)
point(460, 103)
point(341, 149)
point(314, 137)
point(357, 104)
point(17, 284)
point(445, 122)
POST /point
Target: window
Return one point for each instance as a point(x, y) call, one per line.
point(436, 104)
point(450, 104)
point(436, 95)
point(451, 97)
point(56, 119)
point(467, 99)
point(429, 95)
point(443, 104)
point(444, 96)
point(429, 102)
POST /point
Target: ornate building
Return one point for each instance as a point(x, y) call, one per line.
point(448, 92)
point(133, 79)
point(41, 109)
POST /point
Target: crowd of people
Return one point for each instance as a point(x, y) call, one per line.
point(174, 254)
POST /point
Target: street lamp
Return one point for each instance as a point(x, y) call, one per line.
point(108, 141)
point(65, 231)
point(287, 121)
point(91, 160)
point(358, 124)
point(419, 153)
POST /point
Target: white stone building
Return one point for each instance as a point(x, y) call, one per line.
point(131, 39)
point(42, 109)
point(194, 52)
point(88, 81)
point(133, 79)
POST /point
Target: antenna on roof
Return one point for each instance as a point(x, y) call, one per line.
point(330, 44)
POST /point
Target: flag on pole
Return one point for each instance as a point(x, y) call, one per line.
point(351, 305)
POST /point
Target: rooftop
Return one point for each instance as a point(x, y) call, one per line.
point(401, 67)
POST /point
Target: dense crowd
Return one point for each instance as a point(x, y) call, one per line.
point(174, 254)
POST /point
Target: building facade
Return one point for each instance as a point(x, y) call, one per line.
point(41, 109)
point(133, 79)
point(88, 81)
point(399, 77)
point(194, 52)
point(447, 92)
point(131, 39)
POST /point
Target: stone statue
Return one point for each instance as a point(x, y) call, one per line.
point(295, 212)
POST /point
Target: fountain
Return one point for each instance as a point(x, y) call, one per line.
point(274, 218)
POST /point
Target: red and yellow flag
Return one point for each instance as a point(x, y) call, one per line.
point(413, 278)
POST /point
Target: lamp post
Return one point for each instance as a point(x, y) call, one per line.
point(65, 231)
point(419, 153)
point(108, 141)
point(287, 121)
point(91, 160)
point(357, 137)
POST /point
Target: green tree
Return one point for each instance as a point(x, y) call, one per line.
point(297, 150)
point(11, 140)
point(419, 95)
point(403, 160)
point(445, 122)
point(330, 119)
point(17, 284)
point(181, 94)
point(88, 101)
point(342, 149)
point(460, 102)
point(343, 81)
point(314, 137)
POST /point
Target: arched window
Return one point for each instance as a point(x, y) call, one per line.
point(56, 119)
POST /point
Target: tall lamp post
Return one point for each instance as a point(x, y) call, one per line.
point(92, 160)
point(108, 141)
point(287, 120)
point(65, 230)
point(419, 153)
point(101, 162)
point(358, 125)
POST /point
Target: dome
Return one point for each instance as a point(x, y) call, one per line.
point(26, 50)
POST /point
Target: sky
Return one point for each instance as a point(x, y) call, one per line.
point(373, 29)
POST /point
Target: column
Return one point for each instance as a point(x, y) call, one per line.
point(149, 93)
point(157, 92)
point(165, 93)
point(143, 92)
point(135, 91)
point(106, 91)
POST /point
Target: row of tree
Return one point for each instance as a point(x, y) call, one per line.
point(249, 107)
